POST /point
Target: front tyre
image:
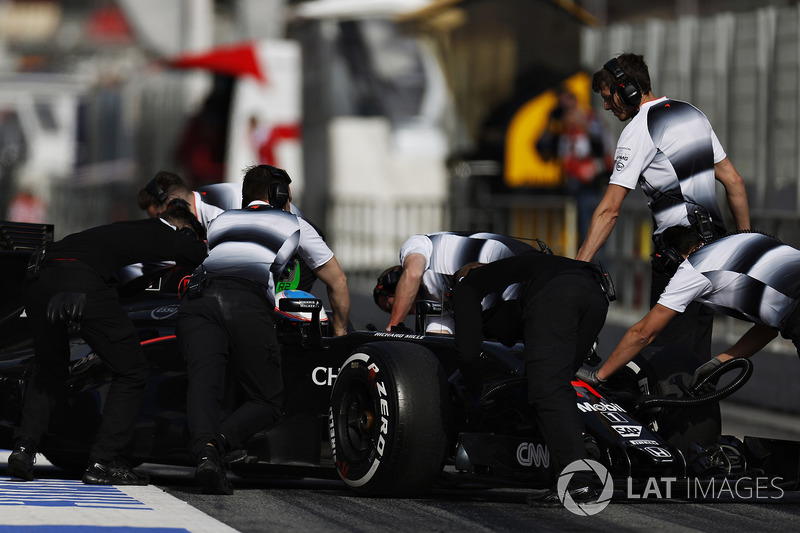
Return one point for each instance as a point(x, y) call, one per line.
point(389, 419)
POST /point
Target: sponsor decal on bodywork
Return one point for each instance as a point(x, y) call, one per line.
point(530, 454)
point(628, 431)
point(163, 312)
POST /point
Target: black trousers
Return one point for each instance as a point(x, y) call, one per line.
point(229, 328)
point(692, 328)
point(107, 329)
point(559, 315)
point(561, 322)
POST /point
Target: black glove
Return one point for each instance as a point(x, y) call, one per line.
point(589, 376)
point(66, 307)
point(703, 371)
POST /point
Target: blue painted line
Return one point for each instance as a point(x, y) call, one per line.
point(64, 493)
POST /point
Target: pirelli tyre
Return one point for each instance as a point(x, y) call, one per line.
point(389, 419)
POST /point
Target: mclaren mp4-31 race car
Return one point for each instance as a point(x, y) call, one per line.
point(383, 411)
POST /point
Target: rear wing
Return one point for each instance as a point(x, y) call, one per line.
point(18, 240)
point(24, 236)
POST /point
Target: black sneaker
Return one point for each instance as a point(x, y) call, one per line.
point(549, 497)
point(114, 472)
point(210, 473)
point(20, 462)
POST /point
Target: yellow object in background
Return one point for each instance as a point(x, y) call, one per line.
point(524, 167)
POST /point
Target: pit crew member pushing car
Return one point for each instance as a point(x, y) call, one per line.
point(748, 275)
point(427, 264)
point(71, 286)
point(207, 203)
point(670, 150)
point(560, 311)
point(225, 319)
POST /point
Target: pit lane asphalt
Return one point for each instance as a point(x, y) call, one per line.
point(283, 504)
point(326, 506)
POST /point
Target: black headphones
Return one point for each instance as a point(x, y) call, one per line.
point(667, 259)
point(278, 194)
point(629, 91)
point(387, 284)
point(153, 188)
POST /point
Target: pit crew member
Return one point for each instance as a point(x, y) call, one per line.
point(225, 319)
point(167, 186)
point(71, 286)
point(747, 275)
point(427, 264)
point(559, 314)
point(670, 150)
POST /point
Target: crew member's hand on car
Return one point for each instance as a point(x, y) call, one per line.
point(589, 376)
point(705, 370)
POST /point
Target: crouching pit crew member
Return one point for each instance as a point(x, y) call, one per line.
point(746, 275)
point(225, 320)
point(71, 286)
point(427, 264)
point(559, 313)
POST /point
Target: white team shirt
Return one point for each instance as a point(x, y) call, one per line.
point(446, 252)
point(204, 212)
point(749, 276)
point(670, 149)
point(258, 245)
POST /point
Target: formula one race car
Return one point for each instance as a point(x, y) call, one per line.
point(383, 411)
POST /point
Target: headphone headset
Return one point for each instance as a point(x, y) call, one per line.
point(278, 194)
point(667, 260)
point(387, 284)
point(629, 91)
point(153, 188)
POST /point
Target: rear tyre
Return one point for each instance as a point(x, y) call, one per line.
point(389, 419)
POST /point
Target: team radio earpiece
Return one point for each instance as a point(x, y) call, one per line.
point(628, 90)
